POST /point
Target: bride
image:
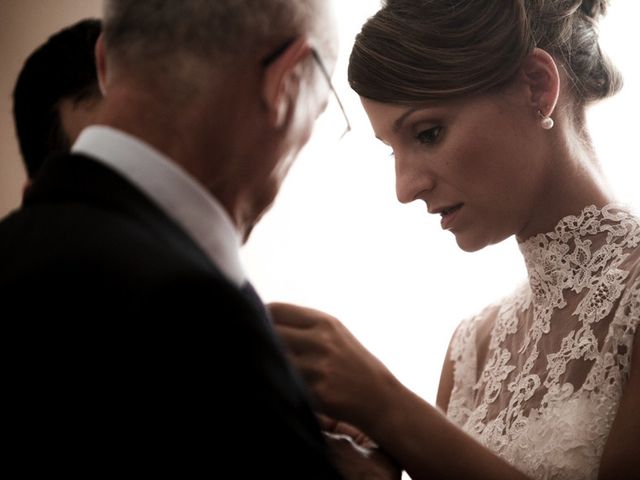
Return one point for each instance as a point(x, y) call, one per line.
point(483, 104)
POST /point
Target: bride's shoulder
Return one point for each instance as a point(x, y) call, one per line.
point(485, 318)
point(478, 327)
point(631, 262)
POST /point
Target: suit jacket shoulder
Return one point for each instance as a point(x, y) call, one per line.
point(129, 346)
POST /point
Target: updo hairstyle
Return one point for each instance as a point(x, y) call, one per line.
point(415, 51)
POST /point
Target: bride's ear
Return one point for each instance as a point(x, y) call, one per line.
point(540, 73)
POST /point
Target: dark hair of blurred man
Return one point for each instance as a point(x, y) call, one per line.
point(56, 93)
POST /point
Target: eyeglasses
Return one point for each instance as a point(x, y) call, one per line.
point(327, 77)
point(325, 73)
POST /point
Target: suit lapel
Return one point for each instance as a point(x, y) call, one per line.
point(250, 293)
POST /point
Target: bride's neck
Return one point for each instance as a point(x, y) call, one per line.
point(573, 181)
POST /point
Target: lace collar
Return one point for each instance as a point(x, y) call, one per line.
point(579, 248)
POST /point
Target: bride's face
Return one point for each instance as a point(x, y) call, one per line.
point(478, 163)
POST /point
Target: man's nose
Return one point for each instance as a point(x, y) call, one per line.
point(411, 179)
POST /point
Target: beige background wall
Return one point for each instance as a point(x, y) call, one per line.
point(24, 25)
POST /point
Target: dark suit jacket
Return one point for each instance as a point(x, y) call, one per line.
point(128, 349)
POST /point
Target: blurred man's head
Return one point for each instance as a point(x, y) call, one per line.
point(56, 93)
point(229, 89)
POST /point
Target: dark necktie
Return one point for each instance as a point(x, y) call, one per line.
point(251, 294)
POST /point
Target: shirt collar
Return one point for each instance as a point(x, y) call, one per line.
point(172, 189)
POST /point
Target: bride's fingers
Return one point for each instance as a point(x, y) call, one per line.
point(293, 315)
point(299, 342)
point(332, 425)
point(308, 368)
point(327, 423)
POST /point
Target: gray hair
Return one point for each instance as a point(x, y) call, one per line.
point(156, 32)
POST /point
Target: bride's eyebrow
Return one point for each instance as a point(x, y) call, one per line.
point(397, 125)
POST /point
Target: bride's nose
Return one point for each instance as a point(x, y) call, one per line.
point(410, 180)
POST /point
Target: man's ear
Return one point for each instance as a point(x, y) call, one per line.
point(543, 80)
point(101, 64)
point(281, 81)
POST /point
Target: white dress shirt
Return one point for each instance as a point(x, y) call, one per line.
point(180, 196)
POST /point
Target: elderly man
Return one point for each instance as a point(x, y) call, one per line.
point(138, 344)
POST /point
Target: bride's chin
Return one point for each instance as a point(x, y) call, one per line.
point(469, 244)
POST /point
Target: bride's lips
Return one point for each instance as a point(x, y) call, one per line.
point(448, 214)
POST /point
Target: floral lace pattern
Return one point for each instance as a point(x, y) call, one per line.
point(538, 377)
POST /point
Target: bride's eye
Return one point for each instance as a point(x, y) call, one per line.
point(429, 136)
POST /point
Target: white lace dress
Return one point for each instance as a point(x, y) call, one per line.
point(538, 377)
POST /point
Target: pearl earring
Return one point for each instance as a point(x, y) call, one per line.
point(546, 122)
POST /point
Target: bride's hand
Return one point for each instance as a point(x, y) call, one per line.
point(355, 454)
point(359, 463)
point(344, 378)
point(336, 427)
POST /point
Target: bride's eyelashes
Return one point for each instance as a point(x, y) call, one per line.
point(426, 137)
point(430, 136)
